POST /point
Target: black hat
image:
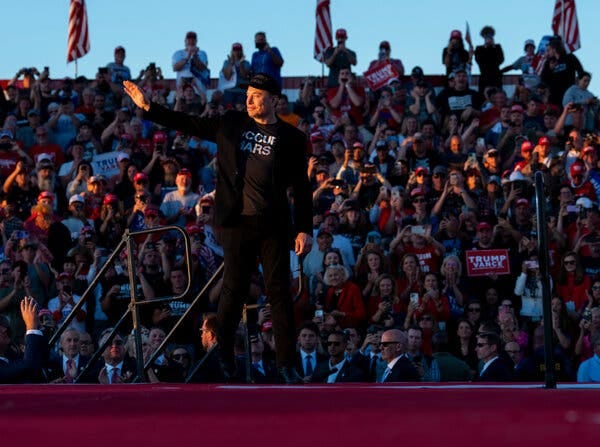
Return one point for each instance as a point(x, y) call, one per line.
point(262, 81)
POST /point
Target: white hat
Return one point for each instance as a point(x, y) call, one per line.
point(76, 198)
point(43, 157)
point(123, 156)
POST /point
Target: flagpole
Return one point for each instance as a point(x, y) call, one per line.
point(75, 67)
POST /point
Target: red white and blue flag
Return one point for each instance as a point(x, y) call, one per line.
point(79, 38)
point(565, 24)
point(323, 36)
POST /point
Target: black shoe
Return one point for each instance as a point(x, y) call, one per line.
point(290, 376)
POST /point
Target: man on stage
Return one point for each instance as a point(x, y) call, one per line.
point(258, 158)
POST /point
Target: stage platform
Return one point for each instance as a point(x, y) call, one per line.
point(348, 415)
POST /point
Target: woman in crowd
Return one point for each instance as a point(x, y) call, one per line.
point(384, 307)
point(572, 284)
point(343, 299)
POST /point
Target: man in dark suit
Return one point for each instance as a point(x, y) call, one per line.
point(210, 370)
point(338, 369)
point(17, 371)
point(65, 367)
point(115, 367)
point(307, 357)
point(399, 368)
point(488, 351)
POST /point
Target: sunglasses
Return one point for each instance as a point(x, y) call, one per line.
point(418, 201)
point(421, 174)
point(438, 176)
point(385, 344)
point(596, 288)
point(569, 262)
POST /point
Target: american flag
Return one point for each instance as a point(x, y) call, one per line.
point(323, 37)
point(565, 24)
point(79, 39)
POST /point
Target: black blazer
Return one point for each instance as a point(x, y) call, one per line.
point(348, 373)
point(498, 371)
point(300, 364)
point(54, 369)
point(19, 370)
point(403, 371)
point(289, 165)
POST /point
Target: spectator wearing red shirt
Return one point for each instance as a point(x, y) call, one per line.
point(44, 146)
point(343, 300)
point(347, 98)
point(572, 285)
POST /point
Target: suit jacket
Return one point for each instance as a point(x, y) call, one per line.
point(289, 165)
point(497, 371)
point(210, 370)
point(403, 371)
point(348, 373)
point(54, 369)
point(300, 364)
point(30, 365)
point(128, 370)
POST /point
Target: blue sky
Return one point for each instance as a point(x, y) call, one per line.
point(35, 32)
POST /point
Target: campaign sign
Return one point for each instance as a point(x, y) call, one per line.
point(487, 262)
point(380, 75)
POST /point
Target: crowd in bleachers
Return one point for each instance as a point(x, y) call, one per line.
point(406, 179)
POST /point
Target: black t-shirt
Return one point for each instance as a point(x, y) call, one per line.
point(258, 146)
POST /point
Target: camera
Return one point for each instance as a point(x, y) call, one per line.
point(67, 289)
point(102, 70)
point(453, 179)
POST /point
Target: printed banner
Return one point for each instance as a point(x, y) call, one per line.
point(380, 75)
point(486, 262)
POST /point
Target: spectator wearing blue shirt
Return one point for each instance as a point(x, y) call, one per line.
point(266, 59)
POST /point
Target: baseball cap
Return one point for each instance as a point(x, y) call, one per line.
point(97, 179)
point(262, 81)
point(417, 192)
point(207, 199)
point(63, 275)
point(185, 171)
point(526, 146)
point(140, 176)
point(110, 198)
point(528, 42)
point(483, 226)
point(358, 145)
point(76, 198)
point(516, 108)
point(33, 112)
point(44, 157)
point(119, 48)
point(341, 33)
point(439, 169)
point(6, 133)
point(491, 151)
point(577, 169)
point(544, 140)
point(384, 44)
point(494, 179)
point(522, 202)
point(584, 202)
point(455, 34)
point(122, 156)
point(236, 46)
point(45, 195)
point(193, 229)
point(191, 35)
point(420, 170)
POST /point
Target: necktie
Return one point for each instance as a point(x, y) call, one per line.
point(115, 377)
point(309, 366)
point(68, 376)
point(386, 373)
point(258, 367)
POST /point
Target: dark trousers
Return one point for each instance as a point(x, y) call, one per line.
point(242, 244)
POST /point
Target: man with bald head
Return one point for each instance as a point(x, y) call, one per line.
point(399, 368)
